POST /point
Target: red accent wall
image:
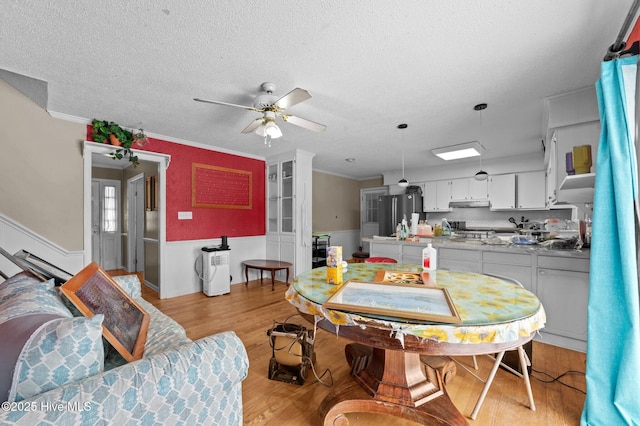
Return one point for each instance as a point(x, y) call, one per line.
point(207, 223)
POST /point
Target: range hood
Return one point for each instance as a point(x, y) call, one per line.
point(469, 203)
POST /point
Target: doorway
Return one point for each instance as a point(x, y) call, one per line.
point(369, 213)
point(97, 155)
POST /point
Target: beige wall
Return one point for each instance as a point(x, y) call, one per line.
point(336, 201)
point(41, 170)
point(372, 183)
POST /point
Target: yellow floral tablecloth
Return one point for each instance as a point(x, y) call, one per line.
point(492, 309)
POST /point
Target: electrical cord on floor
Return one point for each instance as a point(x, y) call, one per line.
point(557, 379)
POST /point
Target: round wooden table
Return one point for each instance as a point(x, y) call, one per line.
point(388, 376)
point(266, 265)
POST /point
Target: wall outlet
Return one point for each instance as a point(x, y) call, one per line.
point(185, 215)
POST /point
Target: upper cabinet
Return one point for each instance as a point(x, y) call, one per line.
point(531, 190)
point(468, 189)
point(436, 196)
point(502, 192)
point(572, 120)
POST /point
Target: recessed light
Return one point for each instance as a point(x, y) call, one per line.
point(350, 160)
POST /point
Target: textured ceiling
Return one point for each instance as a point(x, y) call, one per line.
point(369, 65)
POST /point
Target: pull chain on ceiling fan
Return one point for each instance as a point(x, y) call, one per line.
point(270, 106)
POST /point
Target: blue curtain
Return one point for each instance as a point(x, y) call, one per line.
point(613, 346)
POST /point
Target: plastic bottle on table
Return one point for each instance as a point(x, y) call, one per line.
point(429, 258)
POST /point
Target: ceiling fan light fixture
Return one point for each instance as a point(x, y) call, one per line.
point(272, 130)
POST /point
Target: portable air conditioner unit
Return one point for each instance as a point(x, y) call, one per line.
point(215, 272)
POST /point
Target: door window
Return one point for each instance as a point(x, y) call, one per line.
point(109, 210)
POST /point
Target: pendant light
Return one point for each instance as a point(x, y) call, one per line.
point(403, 183)
point(481, 175)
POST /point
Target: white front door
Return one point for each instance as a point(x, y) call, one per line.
point(105, 208)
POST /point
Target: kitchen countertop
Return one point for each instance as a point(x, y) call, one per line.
point(473, 244)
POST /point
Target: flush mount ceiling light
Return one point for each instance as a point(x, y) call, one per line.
point(456, 152)
point(403, 183)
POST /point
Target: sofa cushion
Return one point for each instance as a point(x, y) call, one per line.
point(23, 294)
point(61, 351)
point(14, 333)
point(130, 284)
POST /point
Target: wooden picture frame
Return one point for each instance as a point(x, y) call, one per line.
point(417, 302)
point(125, 324)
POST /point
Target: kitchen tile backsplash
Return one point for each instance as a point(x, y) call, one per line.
point(483, 217)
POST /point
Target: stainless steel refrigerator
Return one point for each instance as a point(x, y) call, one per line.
point(391, 209)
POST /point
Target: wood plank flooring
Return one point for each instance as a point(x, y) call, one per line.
point(251, 310)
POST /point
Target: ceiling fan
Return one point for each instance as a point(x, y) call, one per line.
point(270, 106)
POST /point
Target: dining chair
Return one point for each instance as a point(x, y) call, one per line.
point(525, 362)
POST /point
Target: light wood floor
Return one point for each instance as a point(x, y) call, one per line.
point(250, 311)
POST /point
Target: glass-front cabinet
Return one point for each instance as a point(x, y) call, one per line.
point(288, 209)
point(280, 196)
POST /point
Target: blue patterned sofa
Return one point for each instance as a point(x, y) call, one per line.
point(53, 369)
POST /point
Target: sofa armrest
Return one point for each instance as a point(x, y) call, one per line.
point(196, 383)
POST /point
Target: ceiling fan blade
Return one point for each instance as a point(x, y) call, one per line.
point(295, 96)
point(227, 104)
point(252, 126)
point(303, 122)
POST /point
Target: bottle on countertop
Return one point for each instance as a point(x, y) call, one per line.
point(404, 230)
point(446, 228)
point(429, 258)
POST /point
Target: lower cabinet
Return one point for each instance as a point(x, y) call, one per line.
point(563, 290)
point(516, 266)
point(393, 251)
point(412, 255)
point(459, 260)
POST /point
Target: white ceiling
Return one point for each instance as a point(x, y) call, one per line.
point(369, 65)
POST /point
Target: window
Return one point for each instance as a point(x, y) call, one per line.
point(371, 202)
point(109, 209)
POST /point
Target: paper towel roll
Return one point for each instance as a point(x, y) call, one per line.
point(415, 217)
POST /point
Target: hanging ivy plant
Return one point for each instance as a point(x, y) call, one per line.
point(111, 133)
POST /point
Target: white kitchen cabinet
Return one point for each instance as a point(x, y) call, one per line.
point(572, 120)
point(289, 197)
point(502, 191)
point(412, 254)
point(516, 266)
point(393, 251)
point(563, 289)
point(467, 189)
point(459, 260)
point(436, 196)
point(531, 190)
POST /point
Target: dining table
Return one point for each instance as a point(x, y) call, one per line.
point(493, 314)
